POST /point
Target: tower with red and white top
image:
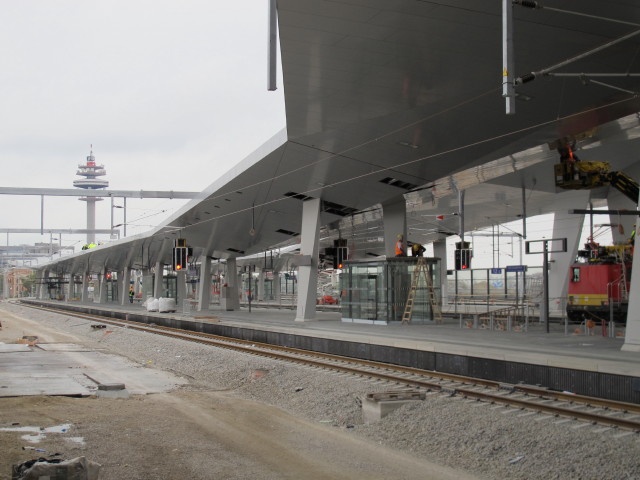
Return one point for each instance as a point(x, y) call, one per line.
point(90, 171)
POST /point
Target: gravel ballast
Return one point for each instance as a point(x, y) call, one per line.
point(490, 441)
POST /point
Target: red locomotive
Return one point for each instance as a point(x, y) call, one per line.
point(599, 283)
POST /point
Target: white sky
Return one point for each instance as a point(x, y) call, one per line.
point(171, 94)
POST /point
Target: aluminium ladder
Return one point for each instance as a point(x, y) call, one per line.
point(421, 267)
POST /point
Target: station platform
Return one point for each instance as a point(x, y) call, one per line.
point(587, 364)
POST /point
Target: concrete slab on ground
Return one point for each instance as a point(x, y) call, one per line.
point(62, 347)
point(18, 385)
point(69, 369)
point(13, 347)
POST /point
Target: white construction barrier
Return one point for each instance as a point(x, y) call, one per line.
point(152, 305)
point(166, 304)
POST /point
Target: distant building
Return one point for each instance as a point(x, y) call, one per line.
point(14, 285)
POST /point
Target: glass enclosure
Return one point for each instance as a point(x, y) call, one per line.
point(509, 285)
point(377, 291)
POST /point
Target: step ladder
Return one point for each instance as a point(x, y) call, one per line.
point(421, 267)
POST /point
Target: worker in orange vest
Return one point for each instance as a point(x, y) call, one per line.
point(400, 246)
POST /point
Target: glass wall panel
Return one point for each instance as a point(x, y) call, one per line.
point(377, 291)
point(496, 284)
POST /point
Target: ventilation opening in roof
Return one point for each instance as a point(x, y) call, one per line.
point(394, 182)
point(337, 209)
point(235, 250)
point(299, 196)
point(287, 232)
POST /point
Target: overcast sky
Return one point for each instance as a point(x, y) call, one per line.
point(170, 94)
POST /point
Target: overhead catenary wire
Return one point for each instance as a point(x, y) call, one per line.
point(398, 165)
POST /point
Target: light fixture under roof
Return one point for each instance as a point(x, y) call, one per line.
point(299, 196)
point(398, 183)
point(407, 144)
point(287, 232)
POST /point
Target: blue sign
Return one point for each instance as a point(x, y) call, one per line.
point(496, 271)
point(516, 268)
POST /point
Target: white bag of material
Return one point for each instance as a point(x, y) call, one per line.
point(166, 304)
point(152, 305)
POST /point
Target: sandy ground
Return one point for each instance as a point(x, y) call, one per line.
point(191, 435)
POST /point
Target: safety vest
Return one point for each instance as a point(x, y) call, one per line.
point(399, 249)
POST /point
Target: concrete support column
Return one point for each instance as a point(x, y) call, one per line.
point(231, 279)
point(394, 221)
point(308, 274)
point(181, 287)
point(102, 296)
point(276, 286)
point(46, 294)
point(85, 287)
point(569, 226)
point(632, 335)
point(157, 285)
point(68, 287)
point(43, 287)
point(260, 296)
point(204, 287)
point(123, 285)
point(74, 293)
point(440, 251)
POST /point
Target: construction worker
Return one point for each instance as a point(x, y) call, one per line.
point(131, 294)
point(400, 246)
point(417, 250)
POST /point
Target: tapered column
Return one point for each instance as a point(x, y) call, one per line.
point(124, 285)
point(85, 287)
point(569, 226)
point(230, 298)
point(159, 277)
point(632, 335)
point(276, 286)
point(260, 295)
point(308, 271)
point(44, 285)
point(102, 295)
point(204, 287)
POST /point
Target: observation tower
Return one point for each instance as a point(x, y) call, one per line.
point(91, 172)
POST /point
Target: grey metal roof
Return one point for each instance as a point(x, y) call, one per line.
point(383, 97)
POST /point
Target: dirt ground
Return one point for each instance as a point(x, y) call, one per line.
point(189, 434)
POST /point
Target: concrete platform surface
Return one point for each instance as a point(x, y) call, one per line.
point(559, 348)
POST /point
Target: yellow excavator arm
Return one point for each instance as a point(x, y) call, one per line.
point(577, 175)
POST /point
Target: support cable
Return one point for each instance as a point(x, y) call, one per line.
point(539, 6)
point(545, 71)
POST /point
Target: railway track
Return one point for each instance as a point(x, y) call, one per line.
point(531, 398)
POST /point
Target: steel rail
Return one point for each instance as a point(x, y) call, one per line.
point(295, 355)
